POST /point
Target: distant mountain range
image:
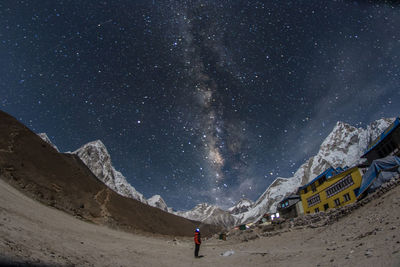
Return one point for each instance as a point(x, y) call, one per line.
point(342, 147)
point(210, 214)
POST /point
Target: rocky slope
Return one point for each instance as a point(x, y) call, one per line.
point(64, 182)
point(35, 235)
point(98, 160)
point(342, 147)
point(241, 206)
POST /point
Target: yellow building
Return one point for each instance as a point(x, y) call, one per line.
point(331, 189)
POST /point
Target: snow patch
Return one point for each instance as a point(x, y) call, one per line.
point(47, 140)
point(98, 160)
point(158, 202)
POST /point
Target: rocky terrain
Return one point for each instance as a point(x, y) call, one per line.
point(315, 220)
point(365, 234)
point(342, 147)
point(64, 182)
point(55, 211)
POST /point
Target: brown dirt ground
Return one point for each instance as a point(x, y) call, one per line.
point(32, 232)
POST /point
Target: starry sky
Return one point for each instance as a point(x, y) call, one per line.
point(197, 100)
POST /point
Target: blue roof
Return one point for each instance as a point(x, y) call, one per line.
point(340, 169)
point(378, 140)
point(327, 173)
point(374, 170)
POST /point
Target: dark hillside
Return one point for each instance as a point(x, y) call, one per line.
point(64, 182)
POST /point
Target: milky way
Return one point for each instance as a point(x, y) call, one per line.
point(199, 101)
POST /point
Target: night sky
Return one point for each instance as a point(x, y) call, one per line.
point(199, 101)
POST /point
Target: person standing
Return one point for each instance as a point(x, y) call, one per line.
point(197, 242)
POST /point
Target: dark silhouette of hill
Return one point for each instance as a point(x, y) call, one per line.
point(64, 182)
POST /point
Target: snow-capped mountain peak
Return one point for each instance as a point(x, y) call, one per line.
point(241, 206)
point(47, 140)
point(342, 147)
point(209, 214)
point(158, 202)
point(98, 160)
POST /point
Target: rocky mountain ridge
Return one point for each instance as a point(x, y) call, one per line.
point(98, 160)
point(209, 214)
point(342, 147)
point(241, 206)
point(37, 172)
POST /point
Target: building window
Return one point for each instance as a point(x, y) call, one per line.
point(316, 209)
point(326, 206)
point(337, 202)
point(313, 188)
point(339, 186)
point(313, 200)
point(346, 197)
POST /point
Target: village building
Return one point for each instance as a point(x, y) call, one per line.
point(386, 144)
point(290, 207)
point(331, 189)
point(380, 172)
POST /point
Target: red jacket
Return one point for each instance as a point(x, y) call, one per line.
point(197, 238)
